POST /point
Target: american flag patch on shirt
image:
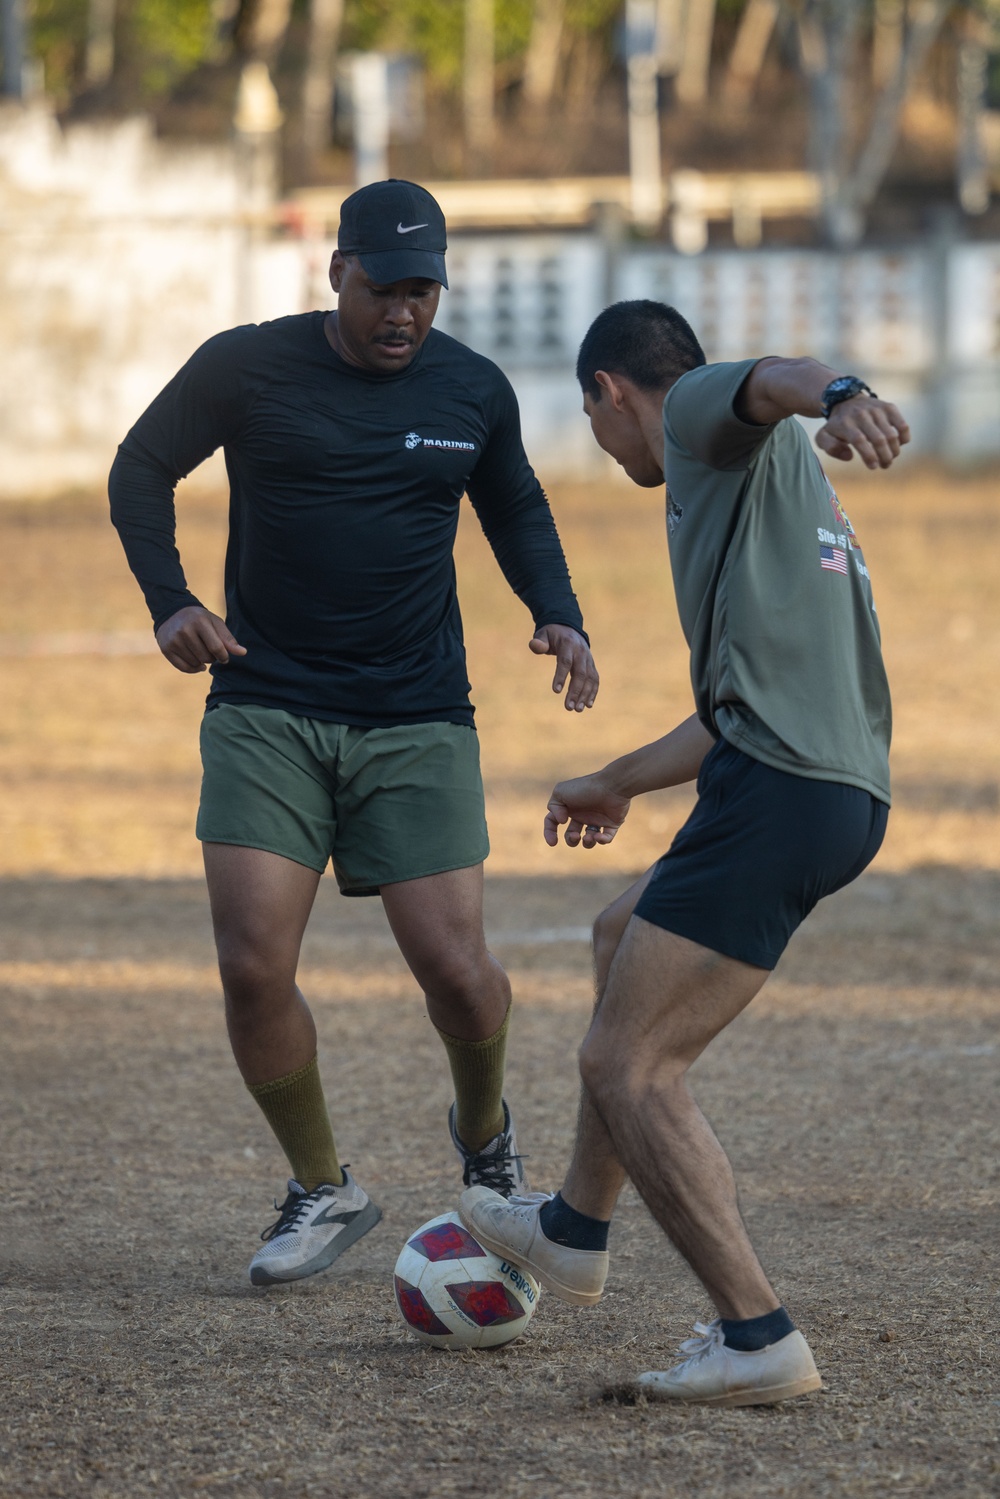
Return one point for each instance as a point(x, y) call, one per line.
point(833, 559)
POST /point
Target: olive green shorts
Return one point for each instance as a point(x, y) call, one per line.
point(384, 804)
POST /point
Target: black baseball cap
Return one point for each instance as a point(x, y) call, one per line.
point(396, 229)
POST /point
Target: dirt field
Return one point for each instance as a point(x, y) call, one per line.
point(858, 1097)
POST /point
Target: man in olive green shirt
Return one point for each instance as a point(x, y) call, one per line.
point(789, 743)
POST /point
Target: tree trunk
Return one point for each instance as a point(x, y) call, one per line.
point(12, 39)
point(541, 62)
point(749, 50)
point(646, 185)
point(583, 78)
point(973, 171)
point(99, 59)
point(325, 17)
point(699, 24)
point(887, 40)
point(478, 82)
point(261, 26)
point(926, 20)
point(124, 87)
point(670, 36)
point(827, 31)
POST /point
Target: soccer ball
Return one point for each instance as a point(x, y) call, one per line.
point(453, 1293)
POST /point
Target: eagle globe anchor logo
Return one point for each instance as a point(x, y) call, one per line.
point(413, 439)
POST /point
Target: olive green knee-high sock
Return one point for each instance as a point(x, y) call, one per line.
point(477, 1073)
point(295, 1109)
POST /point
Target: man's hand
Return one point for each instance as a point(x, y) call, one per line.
point(592, 809)
point(194, 637)
point(874, 429)
point(575, 663)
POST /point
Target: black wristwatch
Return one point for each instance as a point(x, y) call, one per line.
point(842, 389)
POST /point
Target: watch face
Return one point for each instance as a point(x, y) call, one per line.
point(839, 390)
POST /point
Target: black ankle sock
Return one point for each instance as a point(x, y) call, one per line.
point(564, 1225)
point(757, 1332)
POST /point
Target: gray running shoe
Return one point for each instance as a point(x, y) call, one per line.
point(313, 1228)
point(713, 1374)
point(497, 1164)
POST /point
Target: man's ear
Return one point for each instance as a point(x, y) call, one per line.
point(337, 267)
point(611, 388)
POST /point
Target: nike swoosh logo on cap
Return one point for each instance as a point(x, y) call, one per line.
point(409, 228)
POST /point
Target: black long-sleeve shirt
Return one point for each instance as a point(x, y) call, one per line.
point(345, 488)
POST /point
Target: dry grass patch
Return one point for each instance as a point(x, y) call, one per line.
point(857, 1096)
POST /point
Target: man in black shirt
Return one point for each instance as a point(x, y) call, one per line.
point(338, 722)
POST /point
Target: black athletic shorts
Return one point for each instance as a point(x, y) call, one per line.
point(760, 848)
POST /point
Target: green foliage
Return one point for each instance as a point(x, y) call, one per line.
point(58, 34)
point(434, 30)
point(593, 15)
point(171, 37)
point(165, 40)
point(162, 40)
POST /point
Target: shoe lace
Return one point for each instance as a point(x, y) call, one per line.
point(491, 1168)
point(528, 1200)
point(709, 1337)
point(295, 1206)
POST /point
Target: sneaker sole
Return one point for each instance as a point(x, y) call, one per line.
point(769, 1396)
point(366, 1220)
point(547, 1281)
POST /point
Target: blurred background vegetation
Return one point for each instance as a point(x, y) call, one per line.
point(868, 95)
point(761, 84)
point(157, 44)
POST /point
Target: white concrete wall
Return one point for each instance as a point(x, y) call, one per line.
point(120, 254)
point(117, 257)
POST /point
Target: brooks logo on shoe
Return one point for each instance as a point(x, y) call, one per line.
point(326, 1216)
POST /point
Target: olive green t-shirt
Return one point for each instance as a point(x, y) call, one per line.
point(774, 596)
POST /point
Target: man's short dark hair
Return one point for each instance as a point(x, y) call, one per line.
point(647, 342)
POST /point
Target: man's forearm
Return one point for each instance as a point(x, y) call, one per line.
point(670, 761)
point(521, 531)
point(776, 388)
point(142, 511)
point(531, 558)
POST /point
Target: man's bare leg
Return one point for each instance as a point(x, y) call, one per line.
point(595, 1177)
point(438, 923)
point(260, 906)
point(666, 998)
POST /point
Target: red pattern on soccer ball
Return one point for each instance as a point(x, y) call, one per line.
point(416, 1311)
point(485, 1302)
point(449, 1241)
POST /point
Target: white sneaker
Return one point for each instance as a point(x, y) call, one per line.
point(312, 1230)
point(496, 1164)
point(510, 1227)
point(713, 1374)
